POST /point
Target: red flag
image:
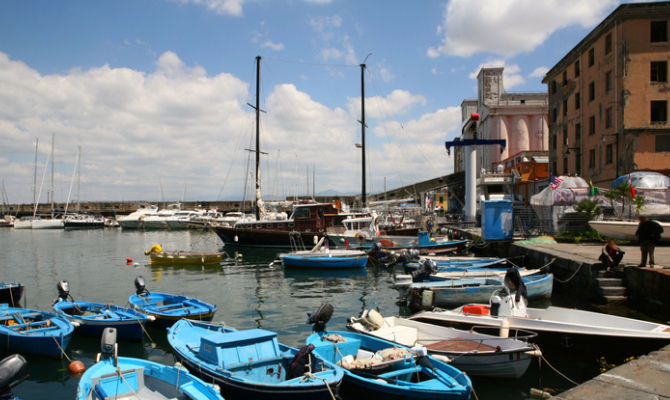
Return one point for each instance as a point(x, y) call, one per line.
point(632, 188)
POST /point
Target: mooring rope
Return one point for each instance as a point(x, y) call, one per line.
point(61, 349)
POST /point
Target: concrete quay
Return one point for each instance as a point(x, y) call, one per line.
point(645, 378)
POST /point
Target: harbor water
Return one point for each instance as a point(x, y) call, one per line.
point(249, 292)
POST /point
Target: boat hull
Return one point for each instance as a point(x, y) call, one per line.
point(34, 336)
point(168, 309)
point(129, 323)
point(625, 230)
point(323, 261)
point(179, 257)
point(11, 293)
point(261, 237)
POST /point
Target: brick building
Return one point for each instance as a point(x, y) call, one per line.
point(608, 98)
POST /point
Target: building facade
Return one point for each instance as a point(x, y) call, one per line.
point(519, 118)
point(608, 98)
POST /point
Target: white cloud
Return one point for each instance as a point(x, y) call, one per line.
point(510, 27)
point(325, 25)
point(429, 128)
point(221, 7)
point(539, 72)
point(398, 102)
point(511, 73)
point(273, 46)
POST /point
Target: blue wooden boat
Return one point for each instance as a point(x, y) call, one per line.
point(166, 309)
point(252, 364)
point(29, 331)
point(376, 368)
point(114, 377)
point(424, 243)
point(11, 293)
point(91, 318)
point(330, 259)
point(449, 292)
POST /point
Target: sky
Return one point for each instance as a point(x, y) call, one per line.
point(155, 92)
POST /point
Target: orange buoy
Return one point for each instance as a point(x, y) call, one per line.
point(76, 367)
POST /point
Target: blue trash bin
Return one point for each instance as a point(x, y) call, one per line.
point(497, 219)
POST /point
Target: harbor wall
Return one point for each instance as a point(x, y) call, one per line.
point(649, 290)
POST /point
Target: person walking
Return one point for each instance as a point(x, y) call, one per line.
point(648, 233)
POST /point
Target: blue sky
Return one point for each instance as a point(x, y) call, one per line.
point(155, 91)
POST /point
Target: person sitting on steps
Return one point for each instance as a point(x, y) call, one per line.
point(611, 255)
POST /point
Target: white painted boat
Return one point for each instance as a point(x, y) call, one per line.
point(38, 223)
point(625, 230)
point(471, 352)
point(180, 220)
point(134, 219)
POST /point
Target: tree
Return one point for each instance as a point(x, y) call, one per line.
point(589, 208)
point(623, 193)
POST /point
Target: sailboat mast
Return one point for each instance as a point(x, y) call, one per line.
point(258, 137)
point(78, 175)
point(37, 142)
point(363, 196)
point(53, 138)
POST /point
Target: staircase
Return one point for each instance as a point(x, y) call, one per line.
point(611, 286)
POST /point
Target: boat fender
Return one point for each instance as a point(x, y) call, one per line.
point(427, 299)
point(75, 324)
point(440, 357)
point(298, 365)
point(533, 353)
point(539, 393)
point(151, 318)
point(374, 319)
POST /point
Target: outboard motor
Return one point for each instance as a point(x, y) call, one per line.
point(140, 286)
point(320, 317)
point(422, 273)
point(107, 344)
point(514, 282)
point(63, 291)
point(12, 372)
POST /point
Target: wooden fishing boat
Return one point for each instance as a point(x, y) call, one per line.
point(186, 257)
point(321, 256)
point(475, 353)
point(90, 318)
point(169, 308)
point(28, 331)
point(252, 364)
point(377, 368)
point(11, 293)
point(424, 243)
point(446, 291)
point(114, 377)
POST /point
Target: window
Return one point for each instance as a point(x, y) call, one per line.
point(659, 71)
point(662, 143)
point(565, 136)
point(578, 163)
point(565, 78)
point(608, 118)
point(591, 58)
point(592, 158)
point(592, 125)
point(608, 81)
point(554, 114)
point(578, 100)
point(592, 91)
point(608, 44)
point(565, 165)
point(553, 142)
point(659, 111)
point(565, 107)
point(553, 87)
point(578, 133)
point(576, 68)
point(609, 153)
point(659, 31)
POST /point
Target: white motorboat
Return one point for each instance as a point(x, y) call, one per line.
point(555, 326)
point(471, 352)
point(134, 219)
point(180, 220)
point(625, 230)
point(84, 221)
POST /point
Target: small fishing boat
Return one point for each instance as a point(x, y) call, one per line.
point(12, 372)
point(113, 377)
point(91, 318)
point(321, 256)
point(252, 364)
point(377, 368)
point(11, 293)
point(160, 256)
point(424, 243)
point(472, 352)
point(169, 308)
point(28, 331)
point(582, 331)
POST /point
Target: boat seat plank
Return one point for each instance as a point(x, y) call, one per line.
point(397, 372)
point(460, 346)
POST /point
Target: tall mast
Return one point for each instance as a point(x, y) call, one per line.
point(53, 138)
point(37, 142)
point(363, 196)
point(78, 176)
point(258, 137)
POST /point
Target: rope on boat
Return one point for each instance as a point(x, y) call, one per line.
point(118, 371)
point(310, 375)
point(153, 344)
point(554, 368)
point(11, 296)
point(61, 349)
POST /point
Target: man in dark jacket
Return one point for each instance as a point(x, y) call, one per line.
point(649, 233)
